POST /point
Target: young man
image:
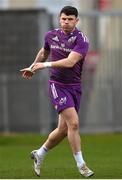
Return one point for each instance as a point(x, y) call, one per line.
point(67, 47)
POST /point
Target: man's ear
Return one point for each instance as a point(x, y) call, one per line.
point(77, 20)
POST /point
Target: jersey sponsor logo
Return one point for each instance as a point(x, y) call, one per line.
point(62, 45)
point(72, 39)
point(63, 101)
point(60, 48)
point(55, 39)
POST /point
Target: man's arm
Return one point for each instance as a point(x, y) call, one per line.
point(42, 55)
point(68, 62)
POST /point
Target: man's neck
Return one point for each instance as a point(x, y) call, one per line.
point(68, 32)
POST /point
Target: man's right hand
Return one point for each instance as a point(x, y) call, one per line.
point(27, 73)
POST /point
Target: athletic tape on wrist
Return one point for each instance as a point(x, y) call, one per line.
point(47, 64)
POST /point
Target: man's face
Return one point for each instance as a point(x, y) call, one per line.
point(68, 23)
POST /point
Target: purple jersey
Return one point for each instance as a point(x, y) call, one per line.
point(60, 45)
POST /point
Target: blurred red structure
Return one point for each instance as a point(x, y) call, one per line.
point(104, 5)
point(91, 61)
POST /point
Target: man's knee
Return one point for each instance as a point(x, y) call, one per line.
point(72, 121)
point(74, 125)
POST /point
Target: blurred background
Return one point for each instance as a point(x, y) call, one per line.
point(25, 105)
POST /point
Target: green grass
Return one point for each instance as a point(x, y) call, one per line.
point(103, 153)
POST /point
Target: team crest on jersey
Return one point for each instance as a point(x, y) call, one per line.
point(72, 39)
point(55, 38)
point(62, 45)
point(63, 101)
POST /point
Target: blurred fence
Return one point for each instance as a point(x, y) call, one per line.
point(25, 106)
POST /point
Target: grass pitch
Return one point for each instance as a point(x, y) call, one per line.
point(103, 154)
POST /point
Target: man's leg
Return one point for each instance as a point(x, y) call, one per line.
point(70, 116)
point(53, 139)
point(56, 136)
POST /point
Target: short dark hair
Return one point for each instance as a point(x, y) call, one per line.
point(69, 10)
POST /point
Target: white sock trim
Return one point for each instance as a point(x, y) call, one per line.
point(79, 159)
point(42, 151)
